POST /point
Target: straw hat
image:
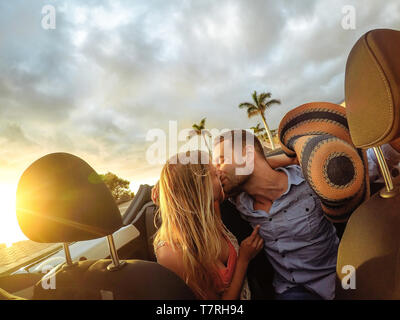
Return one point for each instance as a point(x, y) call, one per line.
point(318, 135)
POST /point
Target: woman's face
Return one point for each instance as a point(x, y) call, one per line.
point(217, 187)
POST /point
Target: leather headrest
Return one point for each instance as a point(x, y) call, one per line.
point(372, 88)
point(60, 198)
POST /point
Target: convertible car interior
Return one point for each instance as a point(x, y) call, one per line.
point(371, 241)
point(61, 199)
point(45, 216)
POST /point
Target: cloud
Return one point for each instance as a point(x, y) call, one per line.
point(111, 70)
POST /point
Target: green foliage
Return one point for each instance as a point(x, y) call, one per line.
point(200, 130)
point(258, 130)
point(258, 107)
point(261, 134)
point(200, 126)
point(119, 187)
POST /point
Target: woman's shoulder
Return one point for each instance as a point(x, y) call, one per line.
point(160, 244)
point(166, 253)
point(170, 257)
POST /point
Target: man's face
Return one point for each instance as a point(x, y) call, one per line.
point(227, 165)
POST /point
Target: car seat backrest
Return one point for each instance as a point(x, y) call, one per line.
point(137, 280)
point(368, 265)
point(152, 226)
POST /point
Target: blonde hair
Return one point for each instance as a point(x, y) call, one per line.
point(189, 222)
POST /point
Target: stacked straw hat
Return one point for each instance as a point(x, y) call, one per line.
point(318, 135)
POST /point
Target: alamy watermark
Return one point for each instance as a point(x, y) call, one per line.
point(49, 279)
point(48, 17)
point(349, 17)
point(349, 280)
point(165, 147)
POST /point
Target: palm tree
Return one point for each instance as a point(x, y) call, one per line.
point(200, 130)
point(260, 105)
point(259, 132)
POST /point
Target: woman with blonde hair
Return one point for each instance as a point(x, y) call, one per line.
point(192, 240)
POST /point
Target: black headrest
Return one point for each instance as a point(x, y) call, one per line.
point(60, 198)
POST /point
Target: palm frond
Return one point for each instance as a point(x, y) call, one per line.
point(251, 112)
point(255, 97)
point(246, 105)
point(271, 102)
point(257, 129)
point(274, 132)
point(263, 96)
point(196, 127)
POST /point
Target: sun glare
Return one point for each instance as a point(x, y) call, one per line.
point(9, 228)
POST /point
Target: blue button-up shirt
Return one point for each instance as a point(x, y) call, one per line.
point(392, 159)
point(299, 241)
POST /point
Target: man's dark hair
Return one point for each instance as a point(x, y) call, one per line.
point(245, 136)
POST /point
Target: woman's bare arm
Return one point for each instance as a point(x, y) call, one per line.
point(281, 160)
point(171, 259)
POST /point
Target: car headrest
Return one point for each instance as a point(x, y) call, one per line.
point(60, 198)
point(372, 88)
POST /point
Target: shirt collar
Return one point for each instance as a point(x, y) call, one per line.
point(294, 174)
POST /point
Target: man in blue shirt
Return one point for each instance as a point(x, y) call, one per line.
point(300, 243)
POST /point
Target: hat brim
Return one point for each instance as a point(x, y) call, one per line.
point(317, 134)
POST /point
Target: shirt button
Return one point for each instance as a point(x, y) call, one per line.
point(270, 219)
point(307, 209)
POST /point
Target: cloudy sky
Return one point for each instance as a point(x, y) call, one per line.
point(112, 70)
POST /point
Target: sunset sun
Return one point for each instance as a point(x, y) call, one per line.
point(9, 228)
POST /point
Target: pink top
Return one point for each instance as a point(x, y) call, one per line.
point(226, 273)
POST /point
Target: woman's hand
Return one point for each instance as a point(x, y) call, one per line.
point(251, 246)
point(248, 250)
